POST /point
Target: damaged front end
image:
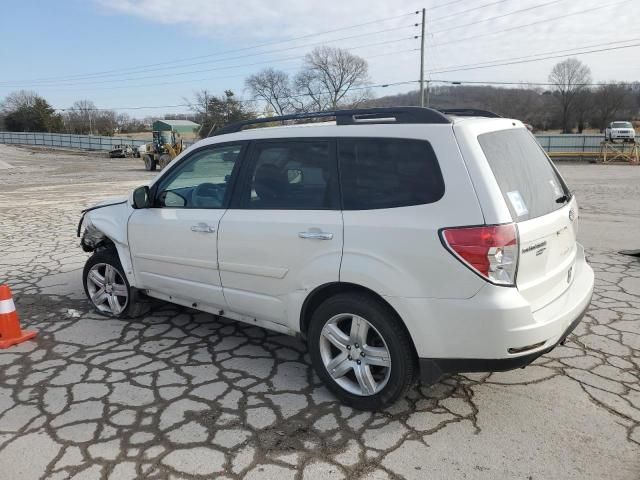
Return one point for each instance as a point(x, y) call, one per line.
point(93, 237)
point(105, 226)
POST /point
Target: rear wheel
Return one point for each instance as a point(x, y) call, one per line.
point(361, 351)
point(149, 163)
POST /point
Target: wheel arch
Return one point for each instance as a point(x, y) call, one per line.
point(95, 240)
point(323, 292)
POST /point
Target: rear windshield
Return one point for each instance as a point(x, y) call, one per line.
point(529, 183)
point(621, 125)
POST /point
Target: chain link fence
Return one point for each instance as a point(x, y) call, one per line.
point(551, 143)
point(571, 143)
point(62, 140)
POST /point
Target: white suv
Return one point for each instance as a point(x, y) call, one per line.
point(620, 131)
point(402, 243)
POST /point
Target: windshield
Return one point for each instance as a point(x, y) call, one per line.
point(621, 125)
point(529, 182)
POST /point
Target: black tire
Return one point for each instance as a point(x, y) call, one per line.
point(388, 326)
point(164, 160)
point(149, 163)
point(135, 305)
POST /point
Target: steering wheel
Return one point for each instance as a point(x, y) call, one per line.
point(208, 195)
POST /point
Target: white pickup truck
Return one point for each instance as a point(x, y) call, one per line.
point(620, 131)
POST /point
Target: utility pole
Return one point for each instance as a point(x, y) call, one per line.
point(427, 93)
point(206, 106)
point(422, 62)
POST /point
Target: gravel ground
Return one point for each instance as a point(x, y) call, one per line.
point(182, 394)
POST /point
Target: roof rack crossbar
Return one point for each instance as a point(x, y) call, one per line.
point(468, 112)
point(364, 116)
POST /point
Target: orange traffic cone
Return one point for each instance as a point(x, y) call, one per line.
point(10, 331)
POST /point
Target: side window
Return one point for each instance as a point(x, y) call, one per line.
point(388, 173)
point(291, 175)
point(200, 181)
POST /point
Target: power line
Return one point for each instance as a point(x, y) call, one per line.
point(93, 82)
point(447, 4)
point(277, 42)
point(462, 12)
point(518, 27)
point(207, 79)
point(173, 62)
point(521, 83)
point(515, 62)
point(255, 99)
point(573, 50)
point(476, 22)
point(228, 67)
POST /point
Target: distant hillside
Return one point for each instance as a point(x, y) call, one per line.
point(531, 105)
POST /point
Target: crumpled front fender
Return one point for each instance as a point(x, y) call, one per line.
point(108, 224)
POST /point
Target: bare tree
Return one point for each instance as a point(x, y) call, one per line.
point(569, 77)
point(17, 100)
point(80, 117)
point(329, 76)
point(582, 108)
point(608, 101)
point(274, 87)
point(214, 112)
point(85, 118)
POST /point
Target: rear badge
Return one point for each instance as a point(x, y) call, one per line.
point(540, 247)
point(572, 215)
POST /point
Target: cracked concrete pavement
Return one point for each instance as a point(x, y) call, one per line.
point(182, 394)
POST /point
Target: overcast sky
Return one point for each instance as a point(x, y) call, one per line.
point(133, 53)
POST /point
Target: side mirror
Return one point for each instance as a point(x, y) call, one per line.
point(294, 175)
point(141, 197)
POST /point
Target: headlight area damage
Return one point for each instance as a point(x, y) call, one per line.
point(93, 237)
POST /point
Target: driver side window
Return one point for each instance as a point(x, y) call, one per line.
point(200, 181)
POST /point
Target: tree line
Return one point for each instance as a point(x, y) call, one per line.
point(569, 103)
point(333, 78)
point(26, 111)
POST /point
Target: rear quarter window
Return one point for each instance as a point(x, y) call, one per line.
point(529, 182)
point(380, 173)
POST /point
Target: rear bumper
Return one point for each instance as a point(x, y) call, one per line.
point(432, 369)
point(510, 335)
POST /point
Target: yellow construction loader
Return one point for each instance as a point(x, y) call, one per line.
point(164, 148)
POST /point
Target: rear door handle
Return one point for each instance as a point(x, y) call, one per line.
point(316, 235)
point(202, 228)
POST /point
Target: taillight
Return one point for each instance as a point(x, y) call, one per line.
point(491, 250)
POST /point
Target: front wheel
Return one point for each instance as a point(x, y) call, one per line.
point(164, 160)
point(149, 163)
point(107, 288)
point(361, 351)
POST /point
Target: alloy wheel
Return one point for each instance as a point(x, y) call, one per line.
point(355, 354)
point(107, 288)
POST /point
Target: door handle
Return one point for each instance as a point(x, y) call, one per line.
point(316, 235)
point(202, 228)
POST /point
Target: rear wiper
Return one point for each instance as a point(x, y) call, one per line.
point(563, 199)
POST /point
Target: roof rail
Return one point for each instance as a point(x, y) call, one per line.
point(359, 116)
point(468, 112)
